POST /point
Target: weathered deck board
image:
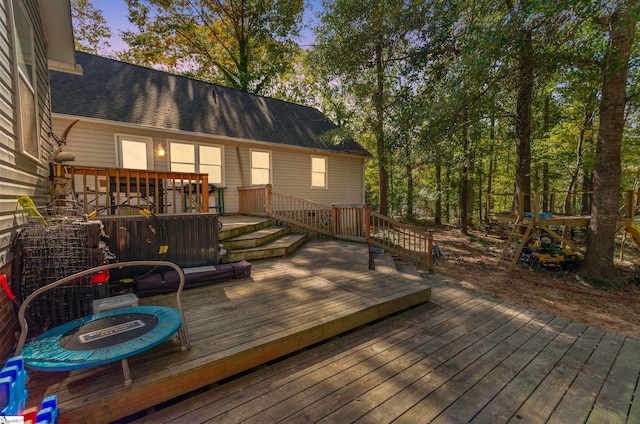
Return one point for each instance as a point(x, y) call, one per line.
point(461, 358)
point(235, 326)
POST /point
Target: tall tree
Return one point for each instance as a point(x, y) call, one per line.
point(90, 30)
point(243, 44)
point(604, 211)
point(360, 44)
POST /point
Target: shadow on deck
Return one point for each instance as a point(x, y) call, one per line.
point(288, 304)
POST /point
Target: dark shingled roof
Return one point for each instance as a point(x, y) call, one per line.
point(119, 91)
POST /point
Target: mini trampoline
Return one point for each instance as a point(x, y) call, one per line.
point(103, 337)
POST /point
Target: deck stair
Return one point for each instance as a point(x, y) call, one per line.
point(520, 233)
point(259, 239)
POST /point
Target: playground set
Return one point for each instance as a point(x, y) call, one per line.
point(540, 236)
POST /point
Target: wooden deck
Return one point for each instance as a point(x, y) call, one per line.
point(287, 305)
point(460, 358)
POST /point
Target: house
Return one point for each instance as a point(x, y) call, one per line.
point(139, 118)
point(36, 36)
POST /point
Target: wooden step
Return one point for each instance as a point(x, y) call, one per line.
point(238, 226)
point(280, 247)
point(383, 262)
point(255, 238)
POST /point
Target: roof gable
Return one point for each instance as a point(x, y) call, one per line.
point(118, 91)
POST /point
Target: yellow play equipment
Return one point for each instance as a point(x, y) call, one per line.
point(634, 232)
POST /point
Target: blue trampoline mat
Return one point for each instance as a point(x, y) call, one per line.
point(101, 338)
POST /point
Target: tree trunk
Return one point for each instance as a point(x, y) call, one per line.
point(546, 123)
point(492, 137)
point(447, 202)
point(438, 212)
point(479, 177)
point(379, 129)
point(464, 181)
point(409, 169)
point(604, 212)
point(523, 117)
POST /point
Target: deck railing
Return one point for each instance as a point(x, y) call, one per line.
point(302, 213)
point(407, 241)
point(112, 191)
point(344, 221)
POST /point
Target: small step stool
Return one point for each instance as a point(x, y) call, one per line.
point(115, 302)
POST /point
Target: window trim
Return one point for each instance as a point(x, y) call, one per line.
point(326, 172)
point(197, 156)
point(30, 84)
point(270, 153)
point(119, 137)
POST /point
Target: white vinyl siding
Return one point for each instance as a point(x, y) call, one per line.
point(23, 166)
point(291, 175)
point(93, 145)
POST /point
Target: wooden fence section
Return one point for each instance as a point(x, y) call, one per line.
point(111, 191)
point(351, 221)
point(253, 200)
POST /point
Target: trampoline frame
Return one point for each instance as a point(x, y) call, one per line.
point(182, 331)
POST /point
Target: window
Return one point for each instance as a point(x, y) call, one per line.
point(260, 167)
point(318, 172)
point(26, 101)
point(135, 152)
point(189, 157)
point(210, 160)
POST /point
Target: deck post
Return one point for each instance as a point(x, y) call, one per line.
point(536, 206)
point(269, 199)
point(367, 223)
point(205, 193)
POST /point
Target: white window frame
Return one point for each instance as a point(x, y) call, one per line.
point(30, 83)
point(136, 138)
point(270, 169)
point(325, 186)
point(197, 162)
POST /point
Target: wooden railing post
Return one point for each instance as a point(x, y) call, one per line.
point(367, 223)
point(336, 220)
point(269, 200)
point(205, 193)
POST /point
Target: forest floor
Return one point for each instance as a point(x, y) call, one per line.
point(471, 262)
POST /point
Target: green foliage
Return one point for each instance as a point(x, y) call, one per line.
point(90, 30)
point(243, 44)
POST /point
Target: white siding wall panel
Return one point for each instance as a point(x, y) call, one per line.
point(19, 174)
point(93, 144)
